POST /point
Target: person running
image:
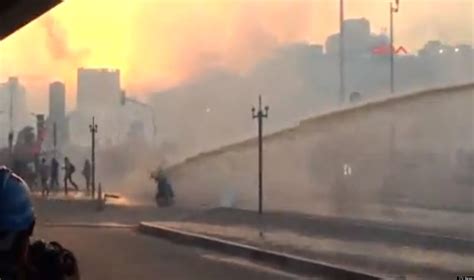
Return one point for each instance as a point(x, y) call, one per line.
point(69, 170)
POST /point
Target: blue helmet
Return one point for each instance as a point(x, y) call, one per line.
point(16, 208)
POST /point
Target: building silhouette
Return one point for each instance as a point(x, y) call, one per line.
point(57, 114)
point(14, 94)
point(97, 90)
point(99, 96)
point(359, 41)
point(57, 101)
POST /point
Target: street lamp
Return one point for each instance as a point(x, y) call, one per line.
point(260, 115)
point(93, 130)
point(393, 9)
point(341, 53)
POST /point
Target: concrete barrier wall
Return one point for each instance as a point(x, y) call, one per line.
point(400, 152)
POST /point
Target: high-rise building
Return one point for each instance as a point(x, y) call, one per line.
point(357, 38)
point(57, 101)
point(13, 104)
point(57, 113)
point(358, 28)
point(99, 96)
point(97, 89)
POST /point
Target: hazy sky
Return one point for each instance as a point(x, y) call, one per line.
point(158, 43)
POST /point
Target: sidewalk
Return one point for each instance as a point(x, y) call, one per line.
point(367, 246)
point(59, 195)
point(80, 209)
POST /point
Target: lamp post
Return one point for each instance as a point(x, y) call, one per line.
point(93, 130)
point(259, 115)
point(341, 53)
point(393, 9)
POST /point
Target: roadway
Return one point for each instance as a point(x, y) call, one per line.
point(110, 253)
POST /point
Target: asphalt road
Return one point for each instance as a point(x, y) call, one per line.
point(125, 254)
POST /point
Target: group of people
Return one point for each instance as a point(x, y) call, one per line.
point(49, 174)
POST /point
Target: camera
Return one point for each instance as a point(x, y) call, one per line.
point(50, 260)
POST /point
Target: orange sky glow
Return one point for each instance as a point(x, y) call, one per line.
point(160, 43)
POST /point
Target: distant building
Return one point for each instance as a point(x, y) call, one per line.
point(97, 90)
point(464, 49)
point(14, 94)
point(357, 38)
point(433, 48)
point(57, 113)
point(357, 35)
point(99, 95)
point(332, 44)
point(57, 101)
point(357, 27)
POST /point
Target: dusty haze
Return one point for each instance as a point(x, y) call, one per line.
point(160, 43)
point(173, 48)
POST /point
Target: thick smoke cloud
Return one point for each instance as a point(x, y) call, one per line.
point(58, 45)
point(161, 43)
point(217, 55)
point(228, 34)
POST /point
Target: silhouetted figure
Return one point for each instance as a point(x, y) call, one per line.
point(54, 168)
point(69, 169)
point(44, 175)
point(164, 195)
point(86, 172)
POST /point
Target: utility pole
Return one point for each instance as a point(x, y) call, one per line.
point(93, 130)
point(341, 53)
point(260, 115)
point(393, 9)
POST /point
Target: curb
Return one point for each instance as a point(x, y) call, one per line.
point(91, 225)
point(284, 261)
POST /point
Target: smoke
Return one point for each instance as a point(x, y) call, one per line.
point(57, 44)
point(225, 34)
point(218, 54)
point(158, 44)
point(382, 161)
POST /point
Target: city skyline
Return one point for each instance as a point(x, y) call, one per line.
point(169, 57)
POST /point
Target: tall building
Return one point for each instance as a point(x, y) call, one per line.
point(57, 101)
point(97, 89)
point(332, 44)
point(57, 112)
point(357, 28)
point(99, 96)
point(13, 104)
point(357, 38)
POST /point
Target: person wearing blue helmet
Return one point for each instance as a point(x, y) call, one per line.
point(19, 258)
